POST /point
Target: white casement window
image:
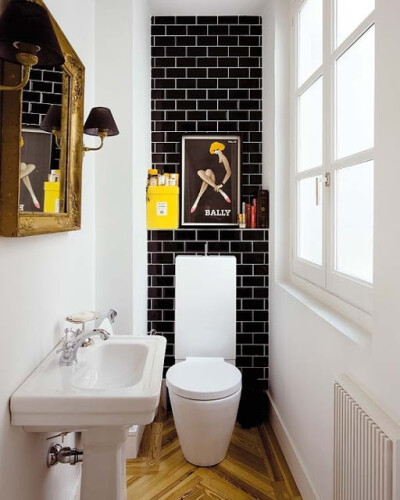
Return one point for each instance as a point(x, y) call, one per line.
point(333, 106)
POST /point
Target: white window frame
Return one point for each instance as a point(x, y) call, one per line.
point(324, 280)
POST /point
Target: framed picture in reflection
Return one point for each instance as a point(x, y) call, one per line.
point(210, 180)
point(36, 147)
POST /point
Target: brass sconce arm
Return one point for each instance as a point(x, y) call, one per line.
point(27, 61)
point(102, 136)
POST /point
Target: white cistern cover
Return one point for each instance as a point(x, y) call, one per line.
point(204, 379)
point(205, 306)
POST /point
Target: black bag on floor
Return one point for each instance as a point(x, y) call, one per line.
point(253, 404)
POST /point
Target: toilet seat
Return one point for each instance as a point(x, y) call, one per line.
point(204, 379)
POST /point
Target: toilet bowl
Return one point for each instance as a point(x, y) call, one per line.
point(204, 385)
point(204, 394)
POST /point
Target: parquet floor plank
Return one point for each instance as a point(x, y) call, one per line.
point(254, 468)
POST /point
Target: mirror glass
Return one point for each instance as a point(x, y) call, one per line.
point(42, 173)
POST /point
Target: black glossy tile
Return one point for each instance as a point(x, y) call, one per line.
point(163, 20)
point(230, 235)
point(228, 19)
point(175, 30)
point(168, 269)
point(154, 315)
point(175, 51)
point(261, 315)
point(218, 247)
point(168, 292)
point(161, 235)
point(195, 246)
point(260, 293)
point(173, 246)
point(207, 20)
point(162, 303)
point(185, 235)
point(197, 30)
point(218, 51)
point(163, 258)
point(241, 29)
point(154, 270)
point(253, 281)
point(164, 41)
point(185, 41)
point(218, 29)
point(197, 51)
point(253, 350)
point(162, 281)
point(261, 338)
point(196, 94)
point(207, 41)
point(185, 20)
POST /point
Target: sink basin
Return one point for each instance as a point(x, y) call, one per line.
point(115, 383)
point(124, 364)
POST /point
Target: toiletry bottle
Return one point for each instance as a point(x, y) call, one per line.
point(152, 179)
point(161, 181)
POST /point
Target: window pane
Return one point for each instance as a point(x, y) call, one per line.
point(355, 96)
point(309, 39)
point(349, 14)
point(310, 220)
point(354, 220)
point(310, 127)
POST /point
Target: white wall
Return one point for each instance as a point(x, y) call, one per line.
point(42, 279)
point(306, 352)
point(123, 85)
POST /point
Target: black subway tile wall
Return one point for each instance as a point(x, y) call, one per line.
point(43, 90)
point(206, 78)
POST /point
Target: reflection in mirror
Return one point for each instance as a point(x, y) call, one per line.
point(41, 169)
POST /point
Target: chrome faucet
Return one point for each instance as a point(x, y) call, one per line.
point(75, 338)
point(71, 345)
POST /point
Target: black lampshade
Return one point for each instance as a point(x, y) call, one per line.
point(52, 120)
point(100, 120)
point(24, 22)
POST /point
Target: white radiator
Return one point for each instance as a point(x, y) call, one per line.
point(366, 447)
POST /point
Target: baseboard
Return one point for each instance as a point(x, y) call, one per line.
point(291, 454)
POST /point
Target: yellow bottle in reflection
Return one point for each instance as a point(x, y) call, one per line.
point(52, 197)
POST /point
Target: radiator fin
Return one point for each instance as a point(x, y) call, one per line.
point(363, 453)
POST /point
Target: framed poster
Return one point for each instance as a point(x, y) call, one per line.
point(210, 180)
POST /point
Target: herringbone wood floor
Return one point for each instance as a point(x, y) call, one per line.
point(253, 469)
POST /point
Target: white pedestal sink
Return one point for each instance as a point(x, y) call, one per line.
point(114, 384)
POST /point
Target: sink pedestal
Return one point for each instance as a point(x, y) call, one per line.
point(103, 467)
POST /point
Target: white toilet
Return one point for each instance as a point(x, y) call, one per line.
point(204, 385)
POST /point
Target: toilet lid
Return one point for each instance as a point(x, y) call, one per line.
point(204, 379)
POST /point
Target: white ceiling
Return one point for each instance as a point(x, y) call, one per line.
point(207, 7)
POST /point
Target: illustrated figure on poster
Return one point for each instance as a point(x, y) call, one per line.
point(208, 176)
point(24, 172)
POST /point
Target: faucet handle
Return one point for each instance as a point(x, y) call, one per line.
point(112, 314)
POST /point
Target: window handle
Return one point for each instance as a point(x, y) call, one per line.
point(327, 179)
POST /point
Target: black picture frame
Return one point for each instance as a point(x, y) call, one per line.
point(211, 179)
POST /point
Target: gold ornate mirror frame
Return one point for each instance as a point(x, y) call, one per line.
point(14, 222)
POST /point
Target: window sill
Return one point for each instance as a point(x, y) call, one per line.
point(356, 326)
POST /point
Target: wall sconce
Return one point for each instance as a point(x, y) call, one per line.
point(27, 38)
point(100, 122)
point(52, 122)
